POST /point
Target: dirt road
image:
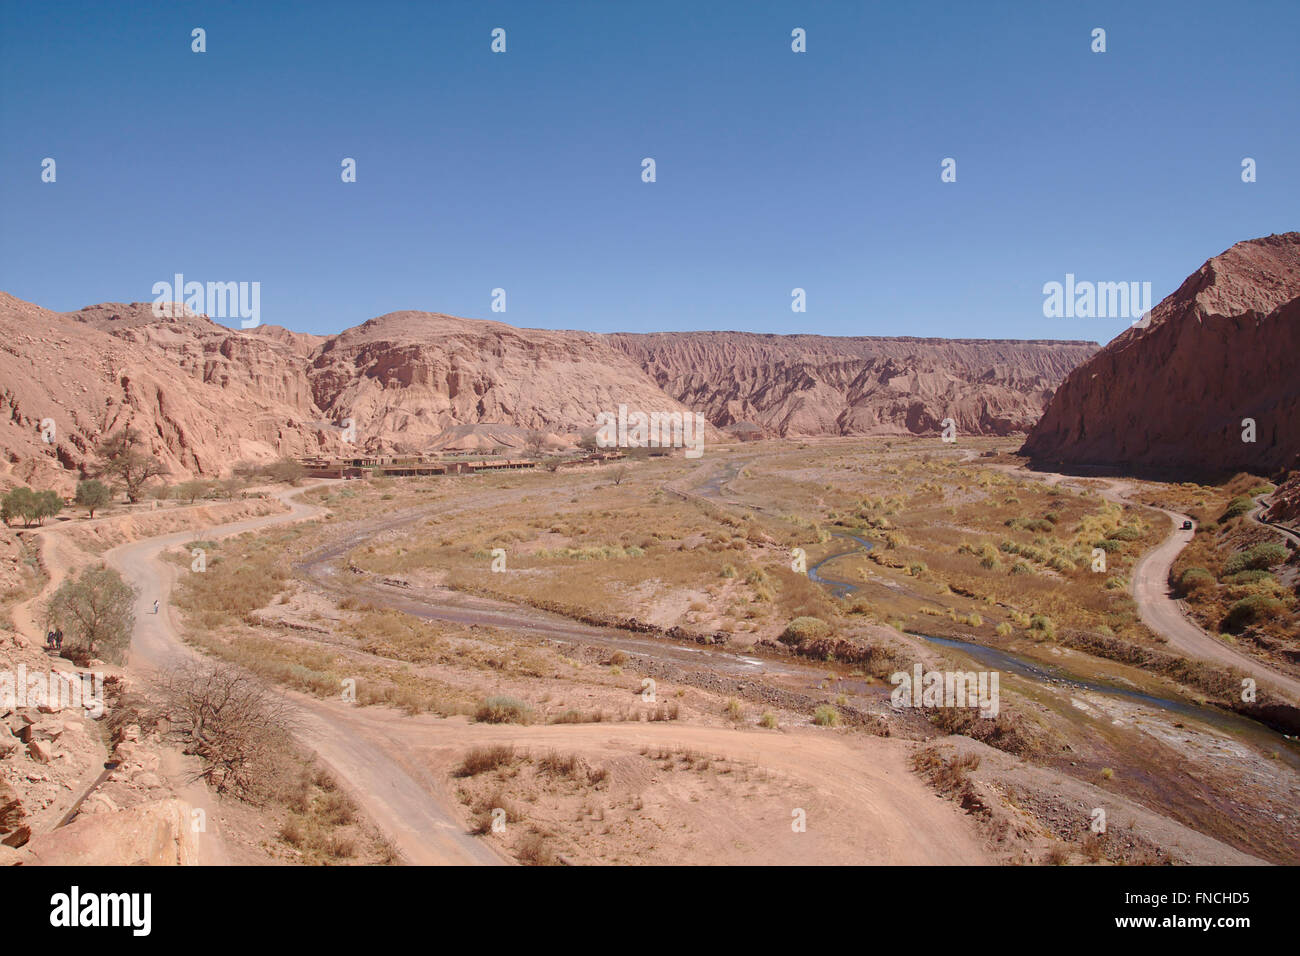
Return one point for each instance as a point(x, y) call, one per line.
point(399, 799)
point(1160, 610)
point(883, 813)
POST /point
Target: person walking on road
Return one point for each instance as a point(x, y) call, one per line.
point(155, 606)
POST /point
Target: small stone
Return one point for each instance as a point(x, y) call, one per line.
point(41, 751)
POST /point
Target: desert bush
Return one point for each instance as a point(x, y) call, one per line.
point(484, 759)
point(1251, 610)
point(503, 710)
point(1259, 557)
point(287, 470)
point(1193, 579)
point(803, 629)
point(1237, 507)
point(1249, 577)
point(1043, 624)
point(826, 716)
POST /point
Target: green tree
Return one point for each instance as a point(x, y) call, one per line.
point(96, 607)
point(48, 504)
point(93, 494)
point(31, 506)
point(18, 503)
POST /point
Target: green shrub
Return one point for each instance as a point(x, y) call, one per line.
point(1250, 610)
point(1237, 507)
point(1257, 558)
point(1194, 579)
point(826, 716)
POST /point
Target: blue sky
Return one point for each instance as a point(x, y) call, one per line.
point(523, 170)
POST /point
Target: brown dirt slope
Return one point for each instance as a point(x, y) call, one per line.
point(808, 385)
point(1168, 397)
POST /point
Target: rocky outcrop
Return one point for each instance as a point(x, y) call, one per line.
point(202, 395)
point(149, 834)
point(1169, 398)
point(807, 385)
point(1284, 503)
point(406, 378)
point(205, 396)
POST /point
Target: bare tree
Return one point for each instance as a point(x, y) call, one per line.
point(619, 474)
point(288, 470)
point(192, 490)
point(235, 724)
point(122, 456)
point(535, 441)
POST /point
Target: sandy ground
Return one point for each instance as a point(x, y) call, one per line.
point(394, 766)
point(862, 804)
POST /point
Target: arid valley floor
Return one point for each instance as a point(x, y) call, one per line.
point(673, 661)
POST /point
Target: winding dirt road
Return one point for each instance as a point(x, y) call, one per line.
point(1158, 608)
point(401, 799)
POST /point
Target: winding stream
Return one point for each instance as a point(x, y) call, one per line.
point(1287, 748)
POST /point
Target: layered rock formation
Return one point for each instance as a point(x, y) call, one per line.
point(1169, 398)
point(409, 378)
point(202, 395)
point(807, 385)
point(205, 396)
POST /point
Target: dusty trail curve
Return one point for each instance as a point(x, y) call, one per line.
point(1163, 613)
point(1158, 609)
point(398, 798)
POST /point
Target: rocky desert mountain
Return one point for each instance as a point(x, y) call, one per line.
point(407, 378)
point(807, 385)
point(205, 395)
point(1169, 397)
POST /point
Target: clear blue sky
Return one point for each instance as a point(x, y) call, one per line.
point(523, 170)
